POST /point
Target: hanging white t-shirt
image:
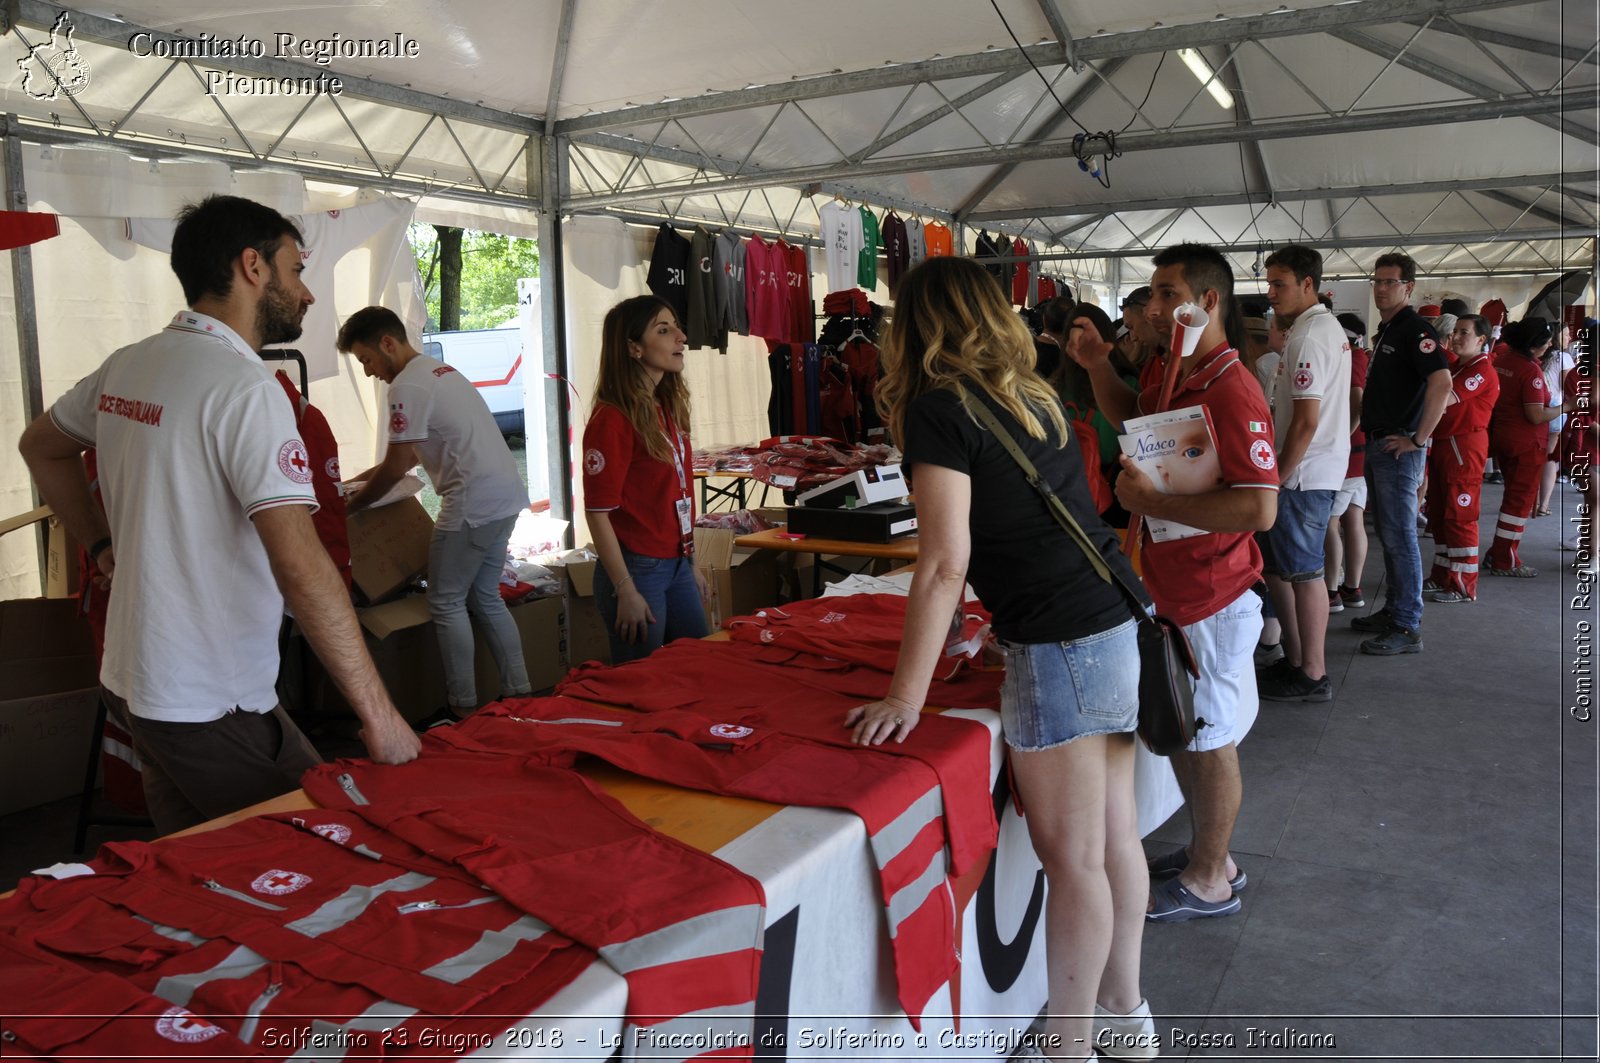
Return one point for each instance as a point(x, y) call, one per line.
point(439, 411)
point(329, 236)
point(193, 439)
point(842, 241)
point(1316, 365)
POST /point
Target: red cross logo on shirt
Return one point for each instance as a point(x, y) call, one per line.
point(279, 882)
point(292, 461)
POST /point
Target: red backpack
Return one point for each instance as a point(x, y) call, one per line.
point(1089, 444)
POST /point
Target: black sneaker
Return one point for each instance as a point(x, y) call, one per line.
point(1276, 671)
point(444, 717)
point(1351, 596)
point(1295, 685)
point(1378, 622)
point(1398, 640)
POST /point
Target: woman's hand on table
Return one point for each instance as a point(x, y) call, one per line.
point(880, 720)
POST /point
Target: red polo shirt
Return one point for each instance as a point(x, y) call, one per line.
point(1521, 383)
point(1191, 579)
point(640, 492)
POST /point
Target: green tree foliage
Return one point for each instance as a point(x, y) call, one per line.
point(491, 264)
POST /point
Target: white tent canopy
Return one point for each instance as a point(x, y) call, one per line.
point(1461, 131)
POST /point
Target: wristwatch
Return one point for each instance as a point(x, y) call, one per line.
point(1420, 444)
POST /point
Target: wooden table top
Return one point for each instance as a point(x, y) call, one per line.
point(902, 549)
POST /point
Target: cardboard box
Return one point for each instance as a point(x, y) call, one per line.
point(741, 581)
point(389, 547)
point(539, 624)
point(583, 632)
point(49, 690)
point(405, 650)
point(62, 574)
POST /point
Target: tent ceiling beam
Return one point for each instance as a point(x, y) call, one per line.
point(115, 32)
point(1570, 52)
point(45, 134)
point(558, 65)
point(1531, 206)
point(1063, 32)
point(1182, 138)
point(614, 142)
point(994, 84)
point(1472, 86)
point(1228, 199)
point(999, 60)
point(1482, 236)
point(1084, 94)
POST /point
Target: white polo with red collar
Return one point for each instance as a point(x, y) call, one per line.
point(193, 439)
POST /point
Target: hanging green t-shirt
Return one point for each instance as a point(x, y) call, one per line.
point(867, 262)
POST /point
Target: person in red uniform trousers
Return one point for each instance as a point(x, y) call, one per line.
point(1456, 459)
point(638, 483)
point(1518, 434)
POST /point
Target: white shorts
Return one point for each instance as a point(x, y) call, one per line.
point(1352, 493)
point(1225, 695)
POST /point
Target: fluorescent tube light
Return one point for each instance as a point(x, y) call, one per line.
point(1202, 70)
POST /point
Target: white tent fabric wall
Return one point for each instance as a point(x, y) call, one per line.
point(96, 290)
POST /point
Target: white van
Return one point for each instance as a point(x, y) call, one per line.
point(492, 360)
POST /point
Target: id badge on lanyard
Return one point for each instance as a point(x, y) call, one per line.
point(685, 504)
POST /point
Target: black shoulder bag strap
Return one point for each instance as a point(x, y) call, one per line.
point(1058, 508)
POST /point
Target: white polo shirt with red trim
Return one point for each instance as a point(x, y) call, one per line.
point(437, 409)
point(1191, 579)
point(193, 439)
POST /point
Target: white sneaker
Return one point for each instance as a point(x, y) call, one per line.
point(1130, 1036)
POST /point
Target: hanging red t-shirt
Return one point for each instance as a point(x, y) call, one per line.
point(639, 491)
point(766, 291)
point(1019, 278)
point(802, 315)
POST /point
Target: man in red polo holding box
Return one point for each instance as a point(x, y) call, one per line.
point(1203, 582)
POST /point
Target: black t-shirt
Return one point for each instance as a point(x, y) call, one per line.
point(1405, 352)
point(669, 271)
point(1026, 570)
point(1049, 358)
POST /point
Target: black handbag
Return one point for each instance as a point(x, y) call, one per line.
point(1167, 670)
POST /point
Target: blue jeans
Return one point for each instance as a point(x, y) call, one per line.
point(464, 568)
point(669, 589)
point(1295, 541)
point(1395, 479)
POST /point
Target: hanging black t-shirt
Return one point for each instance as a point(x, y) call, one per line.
point(1405, 352)
point(1028, 573)
point(669, 271)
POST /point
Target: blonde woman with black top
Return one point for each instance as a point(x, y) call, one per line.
point(638, 483)
point(1070, 699)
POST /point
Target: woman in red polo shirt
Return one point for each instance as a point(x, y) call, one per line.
point(637, 483)
point(1518, 434)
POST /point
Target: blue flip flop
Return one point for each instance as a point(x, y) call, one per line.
point(1174, 862)
point(1175, 904)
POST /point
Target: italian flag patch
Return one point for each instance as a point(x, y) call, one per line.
point(1258, 426)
